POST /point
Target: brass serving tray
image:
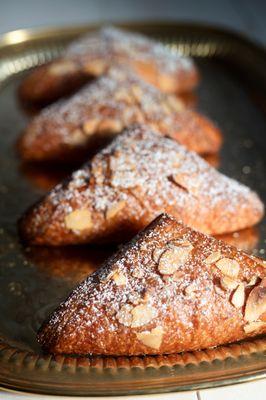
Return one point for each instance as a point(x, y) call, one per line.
point(33, 281)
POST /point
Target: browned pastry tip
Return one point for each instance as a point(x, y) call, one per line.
point(171, 289)
point(67, 130)
point(91, 55)
point(130, 182)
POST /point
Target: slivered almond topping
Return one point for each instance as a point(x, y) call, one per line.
point(137, 273)
point(254, 326)
point(119, 278)
point(256, 302)
point(190, 289)
point(95, 67)
point(238, 298)
point(252, 281)
point(213, 257)
point(175, 104)
point(156, 254)
point(107, 277)
point(142, 315)
point(151, 338)
point(90, 126)
point(78, 220)
point(62, 67)
point(173, 258)
point(228, 283)
point(228, 267)
point(77, 137)
point(137, 92)
point(178, 275)
point(124, 315)
point(115, 209)
point(123, 95)
point(110, 125)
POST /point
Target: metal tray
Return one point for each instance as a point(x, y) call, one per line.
point(33, 281)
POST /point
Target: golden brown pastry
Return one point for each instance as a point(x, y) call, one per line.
point(67, 130)
point(94, 53)
point(246, 239)
point(126, 185)
point(171, 289)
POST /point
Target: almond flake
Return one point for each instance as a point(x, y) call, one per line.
point(254, 326)
point(228, 267)
point(252, 281)
point(95, 67)
point(137, 273)
point(238, 298)
point(190, 289)
point(137, 92)
point(115, 209)
point(62, 68)
point(213, 257)
point(119, 278)
point(110, 125)
point(228, 283)
point(142, 315)
point(76, 137)
point(178, 275)
point(173, 258)
point(90, 126)
point(175, 103)
point(78, 220)
point(156, 254)
point(124, 315)
point(123, 95)
point(151, 338)
point(256, 302)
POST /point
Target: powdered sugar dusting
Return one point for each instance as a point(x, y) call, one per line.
point(116, 44)
point(151, 174)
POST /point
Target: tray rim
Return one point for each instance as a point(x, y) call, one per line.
point(11, 39)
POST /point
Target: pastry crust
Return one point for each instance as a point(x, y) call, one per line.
point(171, 289)
point(94, 53)
point(126, 185)
point(67, 130)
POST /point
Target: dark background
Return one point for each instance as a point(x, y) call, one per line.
point(246, 16)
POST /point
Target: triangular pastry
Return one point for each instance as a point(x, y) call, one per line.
point(171, 289)
point(125, 186)
point(67, 130)
point(91, 55)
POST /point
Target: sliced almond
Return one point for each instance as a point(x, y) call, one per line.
point(114, 209)
point(90, 126)
point(178, 275)
point(95, 67)
point(78, 220)
point(254, 326)
point(110, 125)
point(228, 267)
point(256, 302)
point(228, 283)
point(77, 137)
point(124, 315)
point(238, 298)
point(137, 273)
point(142, 315)
point(173, 258)
point(156, 254)
point(123, 95)
point(151, 338)
point(137, 92)
point(62, 67)
point(190, 289)
point(252, 281)
point(119, 278)
point(175, 104)
point(213, 257)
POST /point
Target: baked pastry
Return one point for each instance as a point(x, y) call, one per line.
point(67, 130)
point(171, 289)
point(126, 185)
point(91, 55)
